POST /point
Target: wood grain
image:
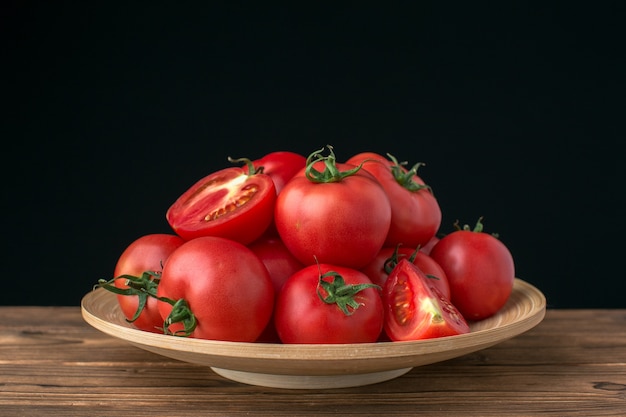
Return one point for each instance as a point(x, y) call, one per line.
point(54, 364)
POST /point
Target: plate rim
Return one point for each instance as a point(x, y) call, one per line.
point(173, 346)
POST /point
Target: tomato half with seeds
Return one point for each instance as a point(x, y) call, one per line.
point(232, 203)
point(415, 310)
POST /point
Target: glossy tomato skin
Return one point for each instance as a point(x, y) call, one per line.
point(376, 270)
point(281, 264)
point(146, 254)
point(281, 166)
point(278, 260)
point(226, 286)
point(415, 215)
point(342, 223)
point(414, 310)
point(302, 317)
point(480, 271)
point(228, 203)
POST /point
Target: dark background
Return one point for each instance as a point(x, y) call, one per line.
point(113, 110)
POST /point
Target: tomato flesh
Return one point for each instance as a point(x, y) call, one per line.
point(415, 310)
point(228, 203)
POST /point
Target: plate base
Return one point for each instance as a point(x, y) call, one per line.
point(309, 381)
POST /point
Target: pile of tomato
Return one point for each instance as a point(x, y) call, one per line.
point(295, 249)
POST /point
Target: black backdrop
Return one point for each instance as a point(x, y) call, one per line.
point(114, 109)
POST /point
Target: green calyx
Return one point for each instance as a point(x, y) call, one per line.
point(478, 228)
point(331, 172)
point(340, 293)
point(143, 287)
point(405, 178)
point(393, 261)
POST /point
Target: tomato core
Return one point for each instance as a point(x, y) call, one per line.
point(231, 203)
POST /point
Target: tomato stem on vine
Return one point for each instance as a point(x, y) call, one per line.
point(181, 313)
point(143, 287)
point(340, 293)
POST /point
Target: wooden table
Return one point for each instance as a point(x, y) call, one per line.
point(54, 364)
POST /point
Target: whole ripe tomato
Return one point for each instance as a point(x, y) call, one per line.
point(225, 286)
point(233, 203)
point(332, 213)
point(328, 304)
point(137, 273)
point(383, 264)
point(415, 310)
point(415, 212)
point(280, 165)
point(281, 264)
point(480, 271)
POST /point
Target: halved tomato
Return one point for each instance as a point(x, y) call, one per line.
point(416, 310)
point(229, 203)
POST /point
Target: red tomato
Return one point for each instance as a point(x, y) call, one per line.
point(328, 304)
point(228, 203)
point(480, 271)
point(281, 264)
point(333, 213)
point(281, 166)
point(416, 310)
point(223, 283)
point(140, 266)
point(379, 269)
point(415, 212)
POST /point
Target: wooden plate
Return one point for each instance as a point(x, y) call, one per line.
point(320, 366)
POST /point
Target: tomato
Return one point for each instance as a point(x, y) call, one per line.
point(281, 166)
point(278, 260)
point(140, 266)
point(379, 269)
point(225, 286)
point(415, 310)
point(415, 212)
point(281, 264)
point(328, 304)
point(333, 213)
point(480, 271)
point(228, 203)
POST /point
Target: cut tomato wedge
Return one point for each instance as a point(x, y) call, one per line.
point(415, 309)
